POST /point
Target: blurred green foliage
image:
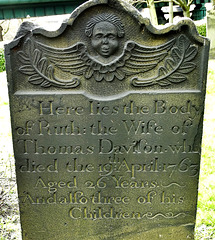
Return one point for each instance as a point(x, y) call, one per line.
point(2, 61)
point(201, 29)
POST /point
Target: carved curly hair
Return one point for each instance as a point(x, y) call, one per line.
point(105, 17)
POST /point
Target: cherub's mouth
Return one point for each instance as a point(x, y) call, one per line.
point(105, 49)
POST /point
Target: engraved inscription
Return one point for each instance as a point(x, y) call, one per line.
point(134, 163)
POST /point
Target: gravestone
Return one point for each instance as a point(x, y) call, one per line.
point(107, 117)
point(211, 32)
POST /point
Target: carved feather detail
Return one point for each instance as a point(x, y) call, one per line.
point(40, 62)
point(40, 72)
point(176, 66)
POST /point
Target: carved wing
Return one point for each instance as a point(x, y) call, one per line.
point(67, 59)
point(40, 61)
point(176, 66)
point(143, 58)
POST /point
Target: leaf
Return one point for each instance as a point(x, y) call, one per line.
point(187, 67)
point(169, 64)
point(119, 74)
point(191, 53)
point(42, 65)
point(177, 78)
point(104, 69)
point(183, 43)
point(163, 83)
point(23, 58)
point(98, 76)
point(36, 57)
point(27, 69)
point(109, 77)
point(89, 72)
point(162, 71)
point(46, 84)
point(50, 71)
point(36, 79)
point(176, 54)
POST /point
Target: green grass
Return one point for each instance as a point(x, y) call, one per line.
point(205, 225)
point(2, 61)
point(201, 29)
point(9, 218)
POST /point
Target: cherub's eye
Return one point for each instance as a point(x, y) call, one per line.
point(98, 36)
point(112, 37)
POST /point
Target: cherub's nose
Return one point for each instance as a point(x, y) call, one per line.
point(105, 40)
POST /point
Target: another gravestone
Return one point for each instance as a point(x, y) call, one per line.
point(211, 31)
point(107, 119)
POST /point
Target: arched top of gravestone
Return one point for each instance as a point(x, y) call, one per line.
point(107, 49)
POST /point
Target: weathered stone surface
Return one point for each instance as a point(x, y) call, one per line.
point(107, 122)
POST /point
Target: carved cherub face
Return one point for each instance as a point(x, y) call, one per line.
point(104, 39)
